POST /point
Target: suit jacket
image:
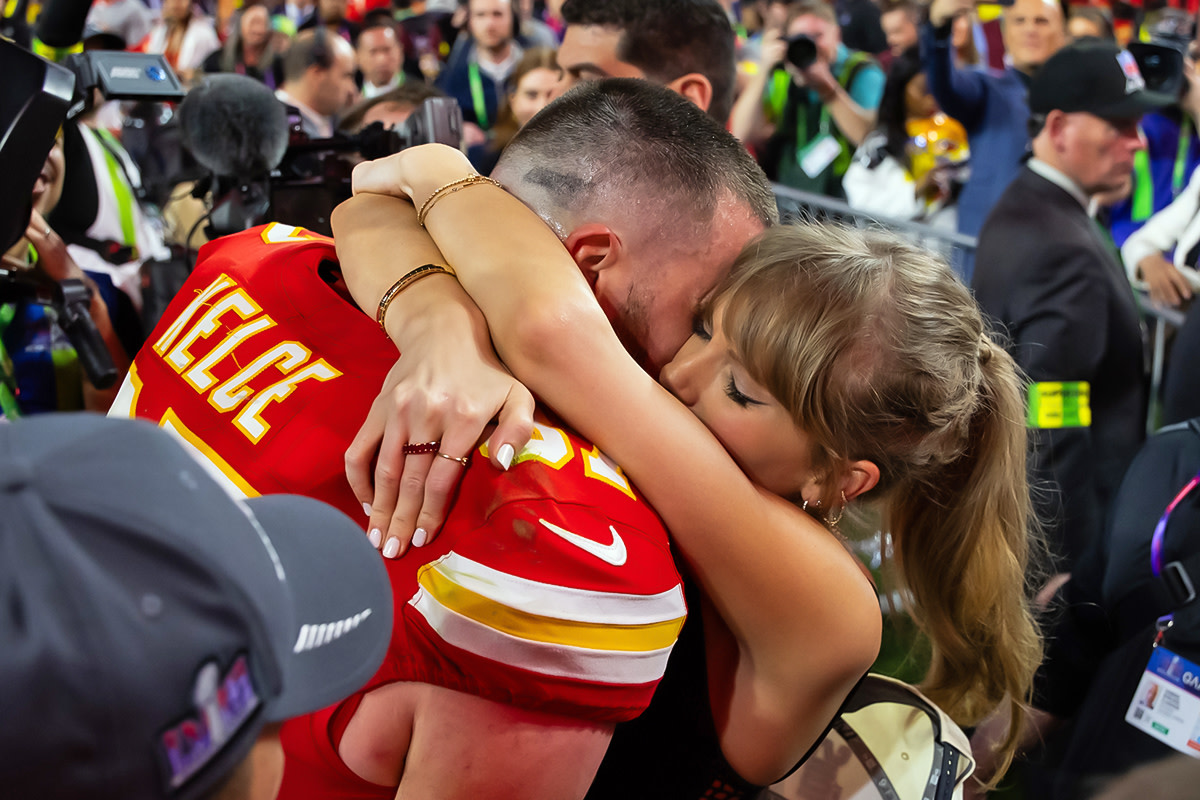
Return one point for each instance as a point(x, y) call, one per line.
point(992, 107)
point(1051, 284)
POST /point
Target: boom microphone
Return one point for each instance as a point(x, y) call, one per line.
point(60, 23)
point(234, 126)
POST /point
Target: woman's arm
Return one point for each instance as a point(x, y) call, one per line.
point(804, 620)
point(1143, 250)
point(748, 120)
point(434, 324)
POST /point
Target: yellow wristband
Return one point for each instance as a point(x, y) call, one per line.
point(423, 271)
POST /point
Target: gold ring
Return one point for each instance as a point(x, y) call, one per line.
point(465, 460)
point(424, 447)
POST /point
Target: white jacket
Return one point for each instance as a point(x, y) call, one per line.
point(1176, 226)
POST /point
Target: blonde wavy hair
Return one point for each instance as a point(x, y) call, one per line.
point(878, 352)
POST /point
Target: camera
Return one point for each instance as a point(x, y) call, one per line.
point(40, 96)
point(1161, 63)
point(801, 51)
point(313, 176)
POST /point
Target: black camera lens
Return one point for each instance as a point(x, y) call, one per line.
point(801, 51)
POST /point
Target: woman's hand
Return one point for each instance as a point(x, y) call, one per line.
point(413, 174)
point(447, 387)
point(1166, 284)
point(443, 392)
point(53, 257)
point(942, 11)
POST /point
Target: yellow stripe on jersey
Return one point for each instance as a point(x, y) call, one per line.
point(580, 605)
point(608, 637)
point(618, 667)
point(596, 635)
point(217, 467)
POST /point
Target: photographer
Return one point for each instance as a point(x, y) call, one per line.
point(38, 367)
point(810, 104)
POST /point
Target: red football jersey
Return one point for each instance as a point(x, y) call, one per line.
point(551, 586)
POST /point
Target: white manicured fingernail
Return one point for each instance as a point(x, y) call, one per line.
point(391, 548)
point(367, 509)
point(419, 537)
point(505, 455)
point(375, 537)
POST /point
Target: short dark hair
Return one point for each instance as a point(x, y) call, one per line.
point(667, 39)
point(1098, 17)
point(410, 93)
point(308, 49)
point(911, 8)
point(620, 138)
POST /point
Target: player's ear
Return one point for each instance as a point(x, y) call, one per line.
point(594, 247)
point(694, 87)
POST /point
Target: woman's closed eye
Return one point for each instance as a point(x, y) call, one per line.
point(735, 394)
point(700, 327)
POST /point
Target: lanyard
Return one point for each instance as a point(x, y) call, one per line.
point(8, 380)
point(1143, 190)
point(121, 188)
point(477, 98)
point(1185, 139)
point(1160, 530)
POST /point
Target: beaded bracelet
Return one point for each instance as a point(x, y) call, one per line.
point(451, 188)
point(407, 280)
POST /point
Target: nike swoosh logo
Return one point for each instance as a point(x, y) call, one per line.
point(614, 553)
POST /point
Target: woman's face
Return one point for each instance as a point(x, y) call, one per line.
point(960, 31)
point(756, 430)
point(534, 92)
point(47, 189)
point(255, 26)
point(918, 102)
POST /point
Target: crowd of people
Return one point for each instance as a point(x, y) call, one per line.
point(597, 275)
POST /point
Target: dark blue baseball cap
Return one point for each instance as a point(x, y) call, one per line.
point(151, 625)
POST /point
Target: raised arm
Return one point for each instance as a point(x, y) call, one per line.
point(959, 92)
point(804, 620)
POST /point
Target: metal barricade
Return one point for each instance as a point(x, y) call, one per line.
point(797, 205)
point(954, 247)
point(1163, 320)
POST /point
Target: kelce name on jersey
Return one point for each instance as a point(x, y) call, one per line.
point(225, 306)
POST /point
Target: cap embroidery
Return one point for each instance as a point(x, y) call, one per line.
point(314, 636)
point(1133, 76)
point(222, 705)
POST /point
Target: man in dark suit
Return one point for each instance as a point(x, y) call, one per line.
point(1046, 276)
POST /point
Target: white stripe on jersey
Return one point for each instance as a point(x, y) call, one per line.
point(620, 667)
point(562, 602)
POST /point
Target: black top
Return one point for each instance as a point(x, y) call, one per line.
point(672, 751)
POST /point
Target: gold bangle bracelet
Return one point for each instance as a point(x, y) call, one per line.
point(451, 188)
point(407, 280)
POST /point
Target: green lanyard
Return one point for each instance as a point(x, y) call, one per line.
point(1178, 176)
point(1143, 186)
point(121, 188)
point(477, 99)
point(8, 380)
